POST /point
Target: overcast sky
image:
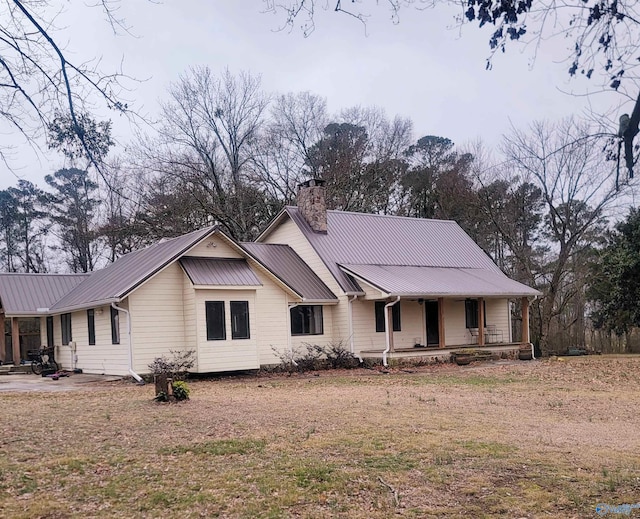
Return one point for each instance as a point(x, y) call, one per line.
point(422, 68)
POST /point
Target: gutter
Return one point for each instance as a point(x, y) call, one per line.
point(388, 330)
point(289, 341)
point(131, 372)
point(350, 319)
point(533, 351)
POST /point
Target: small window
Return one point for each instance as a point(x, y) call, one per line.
point(91, 324)
point(115, 326)
point(65, 325)
point(49, 331)
point(306, 320)
point(471, 313)
point(239, 319)
point(395, 316)
point(216, 330)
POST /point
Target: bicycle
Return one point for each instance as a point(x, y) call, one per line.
point(42, 360)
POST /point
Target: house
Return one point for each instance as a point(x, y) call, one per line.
point(383, 286)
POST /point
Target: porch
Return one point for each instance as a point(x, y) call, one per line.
point(437, 354)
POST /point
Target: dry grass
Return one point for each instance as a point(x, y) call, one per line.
point(535, 439)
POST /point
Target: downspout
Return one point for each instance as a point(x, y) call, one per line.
point(290, 343)
point(350, 318)
point(533, 351)
point(388, 330)
point(137, 377)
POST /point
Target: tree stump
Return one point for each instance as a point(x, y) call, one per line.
point(163, 385)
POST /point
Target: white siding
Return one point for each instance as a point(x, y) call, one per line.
point(336, 316)
point(190, 323)
point(101, 358)
point(157, 317)
point(229, 354)
point(214, 247)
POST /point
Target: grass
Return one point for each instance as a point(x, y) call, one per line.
point(517, 440)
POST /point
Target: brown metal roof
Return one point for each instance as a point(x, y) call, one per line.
point(409, 281)
point(368, 239)
point(23, 294)
point(219, 271)
point(128, 272)
point(289, 267)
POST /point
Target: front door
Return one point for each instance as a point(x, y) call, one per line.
point(431, 312)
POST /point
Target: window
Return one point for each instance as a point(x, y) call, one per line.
point(216, 330)
point(471, 313)
point(65, 325)
point(91, 323)
point(395, 316)
point(239, 319)
point(115, 326)
point(306, 320)
point(49, 331)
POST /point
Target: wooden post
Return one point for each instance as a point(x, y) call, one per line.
point(15, 340)
point(525, 320)
point(441, 342)
point(480, 321)
point(3, 345)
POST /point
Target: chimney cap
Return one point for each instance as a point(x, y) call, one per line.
point(311, 183)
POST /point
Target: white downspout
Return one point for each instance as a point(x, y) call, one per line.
point(533, 351)
point(388, 330)
point(131, 372)
point(289, 341)
point(350, 319)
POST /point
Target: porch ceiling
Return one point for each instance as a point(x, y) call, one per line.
point(429, 282)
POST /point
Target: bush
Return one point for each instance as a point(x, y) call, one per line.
point(312, 357)
point(180, 390)
point(177, 368)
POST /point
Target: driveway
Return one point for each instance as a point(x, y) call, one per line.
point(30, 382)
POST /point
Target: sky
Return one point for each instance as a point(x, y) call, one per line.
point(423, 67)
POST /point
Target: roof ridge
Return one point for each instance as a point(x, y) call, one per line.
point(394, 216)
point(48, 274)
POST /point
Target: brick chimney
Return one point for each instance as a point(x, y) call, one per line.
point(311, 204)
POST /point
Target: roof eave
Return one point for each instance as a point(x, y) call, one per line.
point(83, 306)
point(274, 223)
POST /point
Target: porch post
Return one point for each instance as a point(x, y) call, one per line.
point(525, 320)
point(15, 340)
point(2, 339)
point(480, 321)
point(441, 343)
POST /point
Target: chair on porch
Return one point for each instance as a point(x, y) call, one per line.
point(492, 334)
point(474, 333)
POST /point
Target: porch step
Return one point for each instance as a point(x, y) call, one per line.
point(10, 369)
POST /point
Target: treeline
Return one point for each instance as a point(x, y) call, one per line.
point(223, 151)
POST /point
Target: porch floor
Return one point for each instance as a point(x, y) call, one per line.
point(434, 351)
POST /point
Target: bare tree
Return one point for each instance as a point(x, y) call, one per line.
point(282, 159)
point(206, 137)
point(40, 84)
point(578, 191)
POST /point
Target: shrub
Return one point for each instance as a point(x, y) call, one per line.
point(180, 390)
point(177, 368)
point(312, 357)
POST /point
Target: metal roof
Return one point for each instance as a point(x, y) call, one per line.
point(283, 261)
point(368, 239)
point(409, 281)
point(23, 294)
point(128, 272)
point(219, 271)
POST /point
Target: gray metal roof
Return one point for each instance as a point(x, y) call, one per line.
point(425, 282)
point(23, 294)
point(368, 239)
point(219, 271)
point(128, 272)
point(289, 267)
